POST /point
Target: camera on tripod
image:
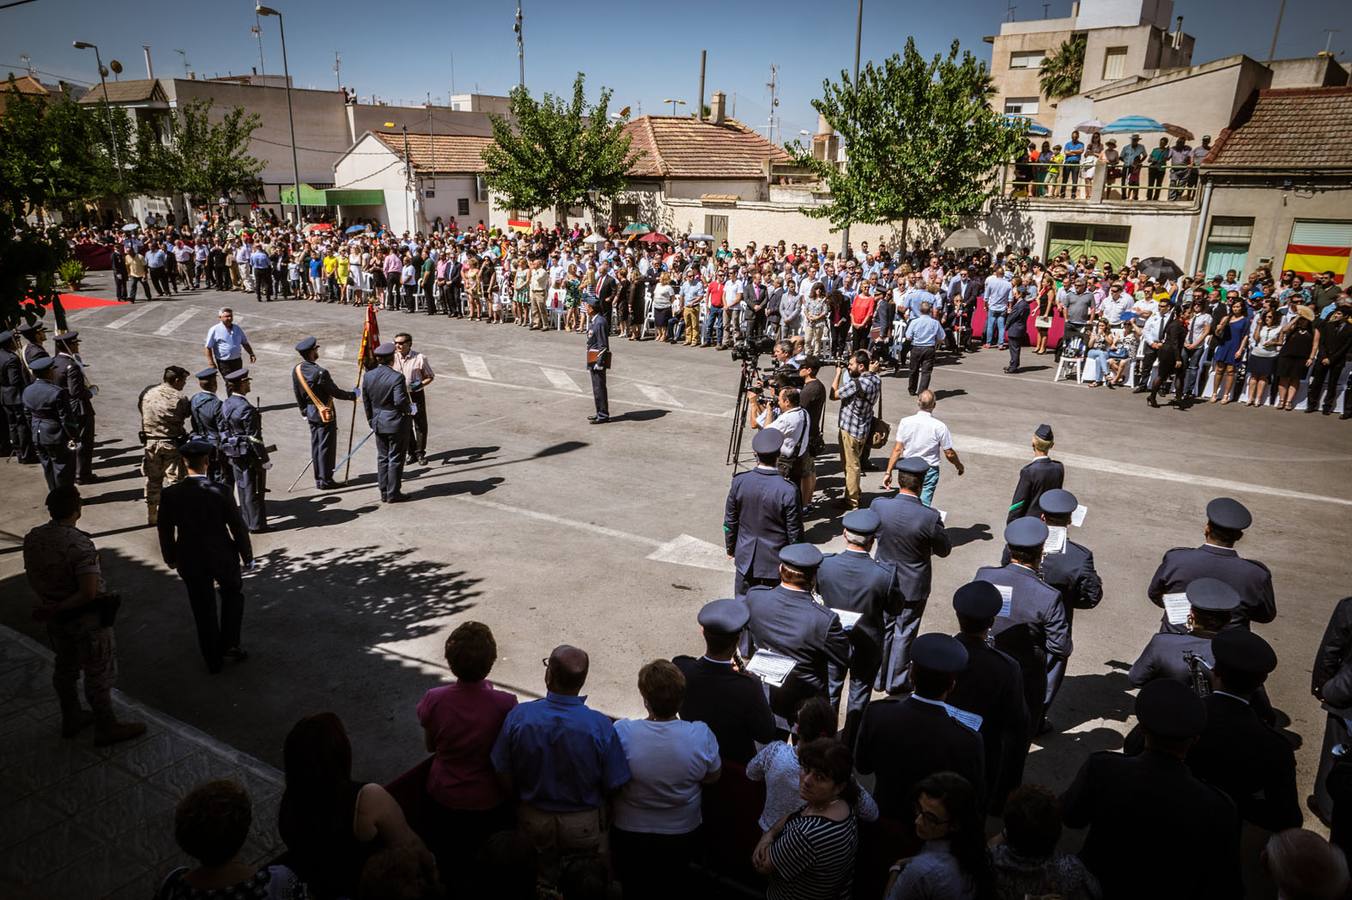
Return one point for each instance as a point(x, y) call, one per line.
point(750, 349)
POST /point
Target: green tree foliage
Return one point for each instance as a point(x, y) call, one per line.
point(1061, 72)
point(921, 139)
point(557, 153)
point(202, 158)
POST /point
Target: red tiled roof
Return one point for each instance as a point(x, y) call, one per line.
point(439, 152)
point(1285, 128)
point(685, 147)
point(140, 90)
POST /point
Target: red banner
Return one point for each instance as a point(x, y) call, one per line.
point(370, 339)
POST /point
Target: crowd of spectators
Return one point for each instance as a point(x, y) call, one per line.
point(1068, 171)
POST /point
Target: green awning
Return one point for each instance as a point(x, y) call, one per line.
point(308, 196)
point(354, 197)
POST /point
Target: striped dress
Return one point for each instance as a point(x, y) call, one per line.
point(813, 858)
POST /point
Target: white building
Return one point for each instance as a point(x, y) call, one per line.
point(419, 178)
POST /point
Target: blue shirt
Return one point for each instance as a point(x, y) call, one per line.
point(1073, 150)
point(562, 756)
point(914, 297)
point(997, 293)
point(924, 331)
point(156, 259)
point(225, 344)
point(259, 260)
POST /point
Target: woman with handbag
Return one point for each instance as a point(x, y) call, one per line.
point(1045, 304)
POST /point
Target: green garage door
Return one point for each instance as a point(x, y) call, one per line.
point(1107, 242)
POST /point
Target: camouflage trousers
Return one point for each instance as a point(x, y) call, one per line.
point(161, 465)
point(82, 645)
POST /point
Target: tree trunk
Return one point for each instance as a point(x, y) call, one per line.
point(561, 215)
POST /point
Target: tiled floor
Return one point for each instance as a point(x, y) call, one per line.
point(78, 821)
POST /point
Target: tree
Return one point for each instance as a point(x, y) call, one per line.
point(555, 154)
point(1061, 72)
point(921, 139)
point(202, 158)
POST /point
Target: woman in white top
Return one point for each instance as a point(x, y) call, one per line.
point(657, 814)
point(663, 297)
point(1265, 341)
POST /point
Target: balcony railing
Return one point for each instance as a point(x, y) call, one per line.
point(1056, 182)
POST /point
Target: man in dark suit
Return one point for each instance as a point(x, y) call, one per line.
point(1017, 330)
point(1227, 520)
point(909, 536)
point(992, 687)
point(70, 375)
point(384, 394)
point(203, 537)
point(721, 694)
point(1149, 806)
point(1238, 752)
point(854, 582)
point(598, 346)
point(1188, 658)
point(13, 379)
point(52, 424)
point(761, 516)
point(904, 739)
point(1331, 685)
point(1040, 475)
point(787, 620)
point(312, 382)
point(455, 283)
point(962, 295)
point(606, 288)
point(1031, 625)
point(1166, 349)
point(756, 300)
point(241, 428)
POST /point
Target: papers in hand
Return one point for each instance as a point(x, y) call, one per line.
point(1077, 517)
point(1056, 539)
point(1006, 599)
point(771, 667)
point(1176, 607)
point(847, 618)
point(970, 719)
point(943, 516)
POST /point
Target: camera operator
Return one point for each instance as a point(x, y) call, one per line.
point(786, 367)
point(786, 415)
point(858, 394)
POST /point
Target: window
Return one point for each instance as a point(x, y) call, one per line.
point(718, 227)
point(481, 188)
point(462, 206)
point(1114, 63)
point(624, 212)
point(1021, 106)
point(1027, 59)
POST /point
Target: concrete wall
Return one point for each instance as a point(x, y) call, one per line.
point(1010, 83)
point(1147, 48)
point(1275, 208)
point(768, 223)
point(364, 117)
point(1313, 71)
point(1110, 13)
point(694, 188)
point(1158, 232)
point(372, 165)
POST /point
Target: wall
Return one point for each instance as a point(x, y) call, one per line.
point(364, 117)
point(1313, 71)
point(1164, 232)
point(768, 223)
point(1109, 13)
point(372, 165)
point(694, 188)
point(1275, 208)
point(1147, 48)
point(1023, 82)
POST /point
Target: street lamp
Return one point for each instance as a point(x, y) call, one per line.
point(674, 104)
point(290, 117)
point(107, 110)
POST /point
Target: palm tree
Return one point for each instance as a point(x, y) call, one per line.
point(1060, 76)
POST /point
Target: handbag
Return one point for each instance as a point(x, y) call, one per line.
point(325, 412)
point(880, 430)
point(1043, 322)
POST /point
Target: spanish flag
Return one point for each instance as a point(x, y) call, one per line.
point(370, 339)
point(1308, 260)
point(521, 225)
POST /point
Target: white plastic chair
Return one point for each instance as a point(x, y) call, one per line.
point(1072, 357)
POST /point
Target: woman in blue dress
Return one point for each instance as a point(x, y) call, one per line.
point(1233, 334)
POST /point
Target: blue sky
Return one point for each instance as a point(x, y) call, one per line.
point(645, 53)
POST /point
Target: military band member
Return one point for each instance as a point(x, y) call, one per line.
point(384, 394)
point(761, 516)
point(14, 378)
point(164, 410)
point(52, 425)
point(33, 336)
point(315, 390)
point(1041, 475)
point(70, 374)
point(206, 412)
point(241, 429)
point(1187, 657)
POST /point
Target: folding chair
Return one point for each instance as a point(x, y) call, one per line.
point(1134, 366)
point(1072, 357)
point(420, 300)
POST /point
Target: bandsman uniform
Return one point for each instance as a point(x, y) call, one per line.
point(164, 410)
point(384, 394)
point(1331, 685)
point(1187, 658)
point(32, 349)
point(761, 517)
point(206, 415)
point(1039, 476)
point(241, 429)
point(52, 424)
point(70, 374)
point(315, 390)
point(14, 378)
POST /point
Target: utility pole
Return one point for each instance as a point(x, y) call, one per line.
point(408, 183)
point(338, 69)
point(1276, 30)
point(257, 30)
point(520, 47)
point(183, 55)
point(773, 85)
point(858, 40)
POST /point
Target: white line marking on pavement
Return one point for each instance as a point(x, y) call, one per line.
point(337, 351)
point(475, 367)
point(1098, 464)
point(544, 390)
point(123, 321)
point(657, 394)
point(688, 550)
point(560, 379)
point(176, 322)
point(602, 530)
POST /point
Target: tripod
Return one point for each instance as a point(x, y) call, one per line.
point(739, 408)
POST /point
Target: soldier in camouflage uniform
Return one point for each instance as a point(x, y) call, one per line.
point(164, 410)
point(62, 566)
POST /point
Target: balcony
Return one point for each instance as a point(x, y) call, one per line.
point(1175, 188)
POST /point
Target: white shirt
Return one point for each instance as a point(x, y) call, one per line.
point(669, 761)
point(924, 436)
point(793, 425)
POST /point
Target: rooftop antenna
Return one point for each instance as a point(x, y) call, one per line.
point(183, 55)
point(1328, 40)
point(520, 46)
point(1009, 12)
point(27, 62)
point(338, 69)
point(773, 85)
point(1045, 8)
point(257, 30)
point(452, 74)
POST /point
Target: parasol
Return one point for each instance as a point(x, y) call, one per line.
point(967, 239)
point(1131, 125)
point(1091, 126)
point(636, 228)
point(656, 237)
point(1177, 131)
point(701, 237)
point(130, 226)
point(1160, 268)
point(355, 229)
point(593, 238)
point(1027, 125)
point(318, 226)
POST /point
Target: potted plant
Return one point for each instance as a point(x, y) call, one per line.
point(72, 272)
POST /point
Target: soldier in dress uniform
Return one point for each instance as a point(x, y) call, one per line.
point(164, 410)
point(1032, 626)
point(52, 424)
point(1331, 685)
point(853, 581)
point(598, 340)
point(241, 430)
point(787, 620)
point(14, 378)
point(992, 687)
point(1238, 752)
point(1187, 658)
point(314, 385)
point(1148, 810)
point(70, 374)
point(909, 536)
point(904, 739)
point(1227, 520)
point(33, 336)
point(1039, 476)
point(718, 690)
point(761, 517)
point(206, 412)
point(389, 413)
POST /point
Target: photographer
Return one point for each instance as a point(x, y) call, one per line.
point(858, 394)
point(789, 418)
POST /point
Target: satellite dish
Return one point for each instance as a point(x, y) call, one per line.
point(624, 113)
point(116, 67)
point(103, 71)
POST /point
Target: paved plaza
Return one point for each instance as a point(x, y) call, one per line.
point(550, 532)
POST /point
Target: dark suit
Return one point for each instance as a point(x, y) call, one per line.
point(1249, 761)
point(598, 338)
point(911, 535)
point(1250, 579)
point(992, 687)
point(384, 395)
point(731, 703)
point(52, 423)
point(203, 536)
point(965, 294)
point(1166, 656)
point(206, 414)
point(606, 290)
point(323, 435)
point(13, 379)
point(450, 297)
point(32, 351)
point(1036, 632)
point(856, 582)
point(1150, 808)
point(760, 518)
point(1017, 330)
point(70, 376)
point(1331, 683)
point(905, 739)
point(1169, 353)
point(791, 624)
point(241, 429)
point(1035, 479)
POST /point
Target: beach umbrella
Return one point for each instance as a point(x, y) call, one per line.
point(1027, 125)
point(701, 237)
point(967, 239)
point(318, 226)
point(355, 229)
point(594, 238)
point(236, 223)
point(1091, 126)
point(1160, 268)
point(131, 226)
point(656, 237)
point(1177, 131)
point(636, 228)
point(1132, 125)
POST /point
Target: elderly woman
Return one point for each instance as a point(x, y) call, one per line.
point(1024, 856)
point(809, 854)
point(664, 296)
point(952, 863)
point(1123, 350)
point(1299, 351)
point(657, 814)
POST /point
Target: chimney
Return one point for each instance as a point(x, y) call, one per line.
point(699, 104)
point(1178, 34)
point(717, 104)
point(150, 70)
point(823, 126)
point(1075, 9)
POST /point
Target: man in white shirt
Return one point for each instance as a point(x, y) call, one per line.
point(924, 436)
point(732, 310)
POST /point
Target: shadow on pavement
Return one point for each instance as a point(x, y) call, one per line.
point(969, 533)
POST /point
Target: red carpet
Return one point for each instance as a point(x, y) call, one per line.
point(72, 302)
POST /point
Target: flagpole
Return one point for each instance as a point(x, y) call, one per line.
point(365, 348)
